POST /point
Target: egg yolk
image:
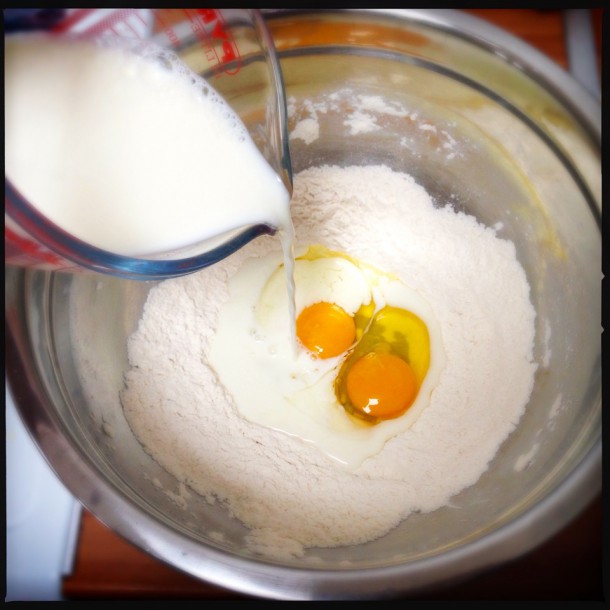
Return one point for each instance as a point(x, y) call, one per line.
point(382, 385)
point(325, 329)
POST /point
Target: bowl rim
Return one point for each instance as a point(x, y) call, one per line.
point(267, 580)
point(505, 45)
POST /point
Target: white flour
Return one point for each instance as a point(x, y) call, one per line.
point(287, 493)
point(361, 114)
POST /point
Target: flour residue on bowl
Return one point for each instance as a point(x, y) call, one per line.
point(363, 114)
point(287, 493)
point(525, 459)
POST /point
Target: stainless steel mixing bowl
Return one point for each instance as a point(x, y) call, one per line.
point(528, 138)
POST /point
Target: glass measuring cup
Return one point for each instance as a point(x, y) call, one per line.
point(233, 51)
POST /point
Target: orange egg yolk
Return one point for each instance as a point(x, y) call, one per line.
point(325, 329)
point(381, 385)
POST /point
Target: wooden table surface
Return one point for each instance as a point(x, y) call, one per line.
point(567, 567)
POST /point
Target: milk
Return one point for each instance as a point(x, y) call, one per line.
point(128, 154)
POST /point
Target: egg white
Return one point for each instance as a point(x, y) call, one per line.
point(279, 386)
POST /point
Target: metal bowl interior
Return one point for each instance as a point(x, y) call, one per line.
point(517, 146)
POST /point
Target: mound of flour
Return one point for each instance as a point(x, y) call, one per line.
point(287, 493)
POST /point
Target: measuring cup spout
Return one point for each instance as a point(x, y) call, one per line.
point(167, 150)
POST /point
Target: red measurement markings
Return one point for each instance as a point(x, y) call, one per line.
point(167, 30)
point(209, 26)
point(130, 24)
point(109, 22)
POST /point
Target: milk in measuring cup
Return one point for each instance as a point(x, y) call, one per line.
point(128, 153)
